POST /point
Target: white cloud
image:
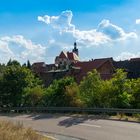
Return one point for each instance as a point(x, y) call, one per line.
point(61, 22)
point(91, 37)
point(127, 56)
point(137, 21)
point(105, 33)
point(17, 47)
point(47, 19)
point(114, 32)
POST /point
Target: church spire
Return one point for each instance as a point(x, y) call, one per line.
point(75, 50)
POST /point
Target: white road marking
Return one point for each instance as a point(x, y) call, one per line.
point(90, 125)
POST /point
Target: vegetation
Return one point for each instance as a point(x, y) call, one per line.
point(14, 81)
point(10, 131)
point(90, 89)
point(63, 92)
point(20, 87)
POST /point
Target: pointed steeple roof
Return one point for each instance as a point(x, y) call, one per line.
point(63, 55)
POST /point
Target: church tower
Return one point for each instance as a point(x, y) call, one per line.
point(75, 50)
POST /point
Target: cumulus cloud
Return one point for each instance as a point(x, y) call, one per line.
point(137, 21)
point(127, 56)
point(105, 33)
point(61, 22)
point(91, 37)
point(17, 47)
point(113, 31)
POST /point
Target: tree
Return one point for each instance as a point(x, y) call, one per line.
point(34, 96)
point(13, 63)
point(73, 95)
point(24, 65)
point(56, 93)
point(90, 89)
point(121, 85)
point(28, 64)
point(116, 92)
point(15, 79)
point(107, 94)
point(135, 89)
point(2, 69)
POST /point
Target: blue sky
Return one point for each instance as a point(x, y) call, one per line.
point(39, 29)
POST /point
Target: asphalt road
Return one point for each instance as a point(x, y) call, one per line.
point(75, 126)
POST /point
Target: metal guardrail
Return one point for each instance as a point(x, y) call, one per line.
point(71, 109)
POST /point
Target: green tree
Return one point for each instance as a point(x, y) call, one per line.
point(107, 94)
point(28, 64)
point(122, 94)
point(56, 94)
point(90, 89)
point(2, 69)
point(34, 96)
point(13, 63)
point(116, 92)
point(13, 82)
point(135, 88)
point(73, 95)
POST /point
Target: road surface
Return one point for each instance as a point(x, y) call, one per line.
point(78, 126)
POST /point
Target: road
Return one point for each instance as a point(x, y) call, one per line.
point(78, 126)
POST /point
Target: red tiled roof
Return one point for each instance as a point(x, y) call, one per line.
point(89, 66)
point(72, 56)
point(38, 64)
point(63, 55)
point(68, 55)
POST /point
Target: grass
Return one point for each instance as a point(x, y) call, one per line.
point(10, 131)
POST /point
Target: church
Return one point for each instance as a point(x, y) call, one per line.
point(67, 59)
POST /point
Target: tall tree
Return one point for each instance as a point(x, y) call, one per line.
point(116, 92)
point(90, 89)
point(28, 64)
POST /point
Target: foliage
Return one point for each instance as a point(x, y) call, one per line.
point(58, 93)
point(116, 92)
point(107, 94)
point(33, 96)
point(14, 80)
point(13, 63)
point(20, 87)
point(90, 89)
point(73, 95)
point(2, 69)
point(122, 96)
point(28, 64)
point(135, 88)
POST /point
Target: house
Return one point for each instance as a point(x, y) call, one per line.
point(38, 68)
point(132, 67)
point(104, 66)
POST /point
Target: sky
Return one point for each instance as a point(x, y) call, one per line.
point(38, 30)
